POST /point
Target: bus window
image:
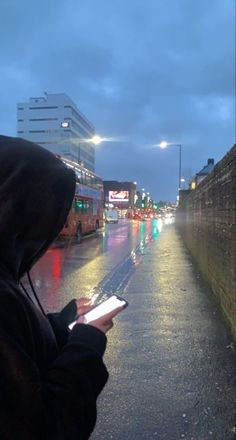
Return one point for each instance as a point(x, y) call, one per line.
point(78, 205)
point(78, 175)
point(88, 207)
point(83, 206)
point(88, 179)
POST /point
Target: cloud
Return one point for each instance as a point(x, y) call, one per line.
point(141, 70)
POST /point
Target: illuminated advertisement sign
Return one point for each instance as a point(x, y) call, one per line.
point(118, 196)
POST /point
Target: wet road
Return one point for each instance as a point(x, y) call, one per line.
point(102, 263)
point(170, 358)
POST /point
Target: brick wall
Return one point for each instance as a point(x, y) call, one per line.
point(206, 219)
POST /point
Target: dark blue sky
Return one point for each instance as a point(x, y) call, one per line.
point(141, 71)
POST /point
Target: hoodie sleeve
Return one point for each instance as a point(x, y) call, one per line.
point(76, 379)
point(58, 403)
point(60, 321)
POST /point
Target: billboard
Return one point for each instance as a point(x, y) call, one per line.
point(118, 196)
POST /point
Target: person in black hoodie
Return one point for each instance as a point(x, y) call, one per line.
point(50, 377)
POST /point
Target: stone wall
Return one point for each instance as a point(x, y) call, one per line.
point(206, 219)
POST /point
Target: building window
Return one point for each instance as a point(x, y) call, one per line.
point(80, 130)
point(20, 120)
point(37, 131)
point(42, 108)
point(46, 143)
point(20, 108)
point(80, 119)
point(43, 119)
point(20, 131)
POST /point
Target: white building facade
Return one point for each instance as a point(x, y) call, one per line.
point(54, 122)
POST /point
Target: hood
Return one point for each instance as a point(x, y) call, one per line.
point(36, 193)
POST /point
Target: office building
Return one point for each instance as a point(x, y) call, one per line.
point(55, 122)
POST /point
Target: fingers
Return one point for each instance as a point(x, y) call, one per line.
point(109, 325)
point(105, 323)
point(84, 301)
point(81, 320)
point(83, 305)
point(102, 326)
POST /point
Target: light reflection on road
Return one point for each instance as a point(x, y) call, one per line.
point(76, 270)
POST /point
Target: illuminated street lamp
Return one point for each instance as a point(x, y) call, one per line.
point(165, 144)
point(95, 140)
point(183, 180)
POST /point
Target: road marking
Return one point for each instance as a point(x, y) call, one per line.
point(116, 281)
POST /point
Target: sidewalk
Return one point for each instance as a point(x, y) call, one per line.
point(170, 358)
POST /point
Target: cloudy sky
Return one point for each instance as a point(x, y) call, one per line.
point(141, 71)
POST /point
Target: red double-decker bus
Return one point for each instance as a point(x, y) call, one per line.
point(87, 213)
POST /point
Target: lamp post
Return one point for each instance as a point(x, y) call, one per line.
point(164, 144)
point(79, 149)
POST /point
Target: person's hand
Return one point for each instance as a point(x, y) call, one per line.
point(83, 305)
point(104, 323)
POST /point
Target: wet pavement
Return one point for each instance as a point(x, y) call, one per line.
point(170, 357)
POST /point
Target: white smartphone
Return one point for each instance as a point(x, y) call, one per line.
point(102, 309)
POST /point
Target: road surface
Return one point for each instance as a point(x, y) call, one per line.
point(170, 357)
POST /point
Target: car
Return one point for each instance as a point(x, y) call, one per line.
point(136, 217)
point(111, 216)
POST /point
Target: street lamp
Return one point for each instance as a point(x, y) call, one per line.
point(95, 140)
point(165, 144)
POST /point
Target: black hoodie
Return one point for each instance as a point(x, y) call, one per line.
point(49, 378)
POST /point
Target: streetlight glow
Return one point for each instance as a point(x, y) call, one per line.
point(163, 144)
point(96, 140)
